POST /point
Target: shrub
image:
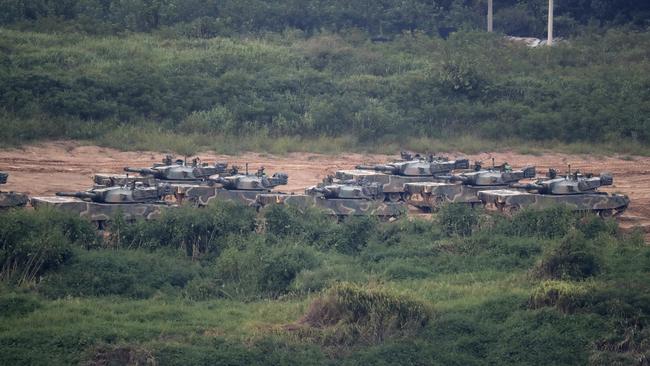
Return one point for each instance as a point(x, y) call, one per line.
point(351, 236)
point(196, 232)
point(259, 270)
point(553, 222)
point(458, 219)
point(349, 314)
point(128, 273)
point(572, 258)
point(33, 242)
point(567, 297)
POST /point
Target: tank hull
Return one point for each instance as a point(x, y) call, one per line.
point(432, 195)
point(12, 199)
point(392, 185)
point(101, 212)
point(110, 180)
point(512, 200)
point(334, 206)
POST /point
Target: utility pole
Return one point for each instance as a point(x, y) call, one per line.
point(549, 40)
point(489, 19)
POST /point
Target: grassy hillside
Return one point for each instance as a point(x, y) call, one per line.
point(212, 287)
point(143, 89)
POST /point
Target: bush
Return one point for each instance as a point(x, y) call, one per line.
point(567, 297)
point(34, 242)
point(17, 305)
point(128, 273)
point(572, 258)
point(458, 219)
point(196, 232)
point(352, 314)
point(549, 223)
point(259, 270)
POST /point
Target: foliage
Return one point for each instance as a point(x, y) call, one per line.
point(458, 220)
point(128, 273)
point(195, 232)
point(33, 242)
point(572, 258)
point(274, 91)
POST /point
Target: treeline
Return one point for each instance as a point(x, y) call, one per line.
point(595, 88)
point(207, 18)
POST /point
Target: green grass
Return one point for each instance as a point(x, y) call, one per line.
point(402, 292)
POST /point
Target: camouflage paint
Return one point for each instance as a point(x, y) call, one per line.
point(335, 206)
point(101, 212)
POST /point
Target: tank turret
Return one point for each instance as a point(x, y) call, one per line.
point(421, 167)
point(494, 177)
point(182, 171)
point(122, 194)
point(251, 182)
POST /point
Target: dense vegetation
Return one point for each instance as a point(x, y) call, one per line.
point(224, 286)
point(137, 74)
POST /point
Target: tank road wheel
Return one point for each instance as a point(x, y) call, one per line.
point(606, 213)
point(393, 197)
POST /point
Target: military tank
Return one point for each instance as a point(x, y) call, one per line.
point(393, 176)
point(170, 170)
point(577, 191)
point(10, 199)
point(240, 188)
point(464, 187)
point(350, 198)
point(100, 205)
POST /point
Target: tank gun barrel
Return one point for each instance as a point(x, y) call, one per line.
point(527, 186)
point(142, 171)
point(82, 195)
point(380, 168)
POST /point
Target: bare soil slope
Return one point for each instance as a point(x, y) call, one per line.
point(44, 169)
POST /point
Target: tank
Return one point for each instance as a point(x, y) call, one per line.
point(340, 200)
point(393, 176)
point(100, 205)
point(240, 188)
point(169, 170)
point(10, 199)
point(464, 187)
point(576, 191)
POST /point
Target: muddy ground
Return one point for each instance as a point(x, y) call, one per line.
point(46, 168)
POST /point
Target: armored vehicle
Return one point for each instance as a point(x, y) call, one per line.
point(464, 187)
point(576, 191)
point(240, 188)
point(10, 199)
point(170, 170)
point(340, 200)
point(100, 205)
point(394, 175)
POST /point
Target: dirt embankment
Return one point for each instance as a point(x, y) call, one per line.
point(46, 168)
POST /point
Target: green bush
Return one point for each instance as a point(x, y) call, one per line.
point(458, 219)
point(259, 270)
point(128, 273)
point(573, 257)
point(196, 232)
point(34, 242)
point(550, 223)
point(352, 314)
point(17, 305)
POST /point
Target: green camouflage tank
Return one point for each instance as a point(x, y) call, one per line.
point(10, 199)
point(340, 200)
point(576, 191)
point(168, 171)
point(393, 176)
point(100, 205)
point(464, 187)
point(239, 188)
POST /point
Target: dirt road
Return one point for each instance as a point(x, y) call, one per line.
point(44, 169)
